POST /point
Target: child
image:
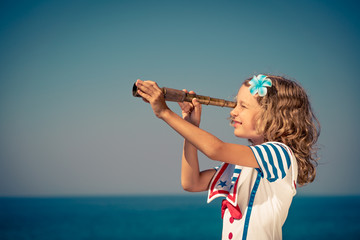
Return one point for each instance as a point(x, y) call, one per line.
point(258, 181)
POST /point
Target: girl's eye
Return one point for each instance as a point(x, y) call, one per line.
point(243, 106)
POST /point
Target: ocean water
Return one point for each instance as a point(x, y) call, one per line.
point(163, 217)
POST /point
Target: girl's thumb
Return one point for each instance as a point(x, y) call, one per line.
point(197, 105)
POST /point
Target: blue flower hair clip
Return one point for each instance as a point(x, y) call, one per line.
point(258, 85)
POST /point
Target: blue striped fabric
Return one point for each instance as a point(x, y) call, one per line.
point(273, 159)
point(236, 174)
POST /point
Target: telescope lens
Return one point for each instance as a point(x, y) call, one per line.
point(134, 91)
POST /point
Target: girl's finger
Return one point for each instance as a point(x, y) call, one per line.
point(144, 95)
point(152, 85)
point(185, 106)
point(142, 86)
point(148, 87)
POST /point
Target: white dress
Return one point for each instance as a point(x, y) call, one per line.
point(263, 195)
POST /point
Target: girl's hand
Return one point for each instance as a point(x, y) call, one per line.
point(151, 93)
point(191, 112)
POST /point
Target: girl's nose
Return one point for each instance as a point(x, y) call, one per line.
point(233, 112)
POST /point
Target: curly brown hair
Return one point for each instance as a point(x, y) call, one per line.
point(287, 117)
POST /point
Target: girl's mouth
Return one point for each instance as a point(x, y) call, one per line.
point(235, 123)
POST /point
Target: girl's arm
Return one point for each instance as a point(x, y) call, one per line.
point(192, 179)
point(207, 143)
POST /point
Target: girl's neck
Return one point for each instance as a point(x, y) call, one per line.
point(257, 141)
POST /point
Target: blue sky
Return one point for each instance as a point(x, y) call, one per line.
point(68, 122)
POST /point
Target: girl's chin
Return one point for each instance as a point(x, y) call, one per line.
point(251, 138)
point(238, 134)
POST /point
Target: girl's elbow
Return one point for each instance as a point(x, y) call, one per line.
point(189, 187)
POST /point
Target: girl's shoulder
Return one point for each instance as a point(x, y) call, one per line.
point(275, 159)
point(272, 145)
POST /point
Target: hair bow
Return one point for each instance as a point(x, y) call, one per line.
point(258, 85)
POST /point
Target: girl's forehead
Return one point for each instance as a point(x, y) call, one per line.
point(244, 95)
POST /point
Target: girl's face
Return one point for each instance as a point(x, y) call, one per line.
point(244, 115)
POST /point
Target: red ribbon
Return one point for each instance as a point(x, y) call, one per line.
point(234, 211)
